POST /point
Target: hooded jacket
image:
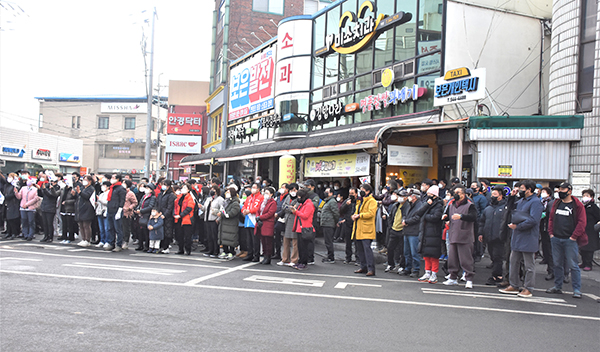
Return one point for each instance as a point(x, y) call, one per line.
point(490, 222)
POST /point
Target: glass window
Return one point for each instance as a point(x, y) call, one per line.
point(384, 49)
point(130, 123)
point(270, 6)
point(430, 25)
point(317, 74)
point(346, 87)
point(590, 11)
point(76, 122)
point(363, 82)
point(346, 119)
point(364, 59)
point(346, 65)
point(103, 122)
point(359, 116)
point(317, 95)
point(585, 84)
point(425, 102)
point(429, 63)
point(350, 5)
point(406, 33)
point(383, 111)
point(319, 32)
point(331, 69)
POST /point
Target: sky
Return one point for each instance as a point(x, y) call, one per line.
point(75, 47)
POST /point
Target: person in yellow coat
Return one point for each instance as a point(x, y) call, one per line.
point(364, 229)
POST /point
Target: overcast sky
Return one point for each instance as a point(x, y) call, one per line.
point(76, 47)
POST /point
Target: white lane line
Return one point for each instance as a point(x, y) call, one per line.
point(343, 285)
point(474, 294)
point(317, 295)
point(135, 269)
point(26, 259)
point(192, 258)
point(217, 274)
point(285, 281)
point(80, 250)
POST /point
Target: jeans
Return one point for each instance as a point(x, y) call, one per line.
point(564, 249)
point(103, 225)
point(328, 234)
point(115, 227)
point(413, 258)
point(28, 223)
point(365, 255)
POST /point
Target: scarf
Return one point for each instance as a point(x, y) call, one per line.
point(111, 190)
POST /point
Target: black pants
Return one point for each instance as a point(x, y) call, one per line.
point(143, 237)
point(496, 250)
point(395, 245)
point(48, 223)
point(347, 233)
point(547, 251)
point(211, 229)
point(13, 227)
point(278, 237)
point(243, 239)
point(251, 242)
point(126, 224)
point(229, 249)
point(169, 225)
point(587, 258)
point(187, 231)
point(68, 227)
point(311, 251)
point(303, 250)
point(328, 234)
point(255, 246)
point(95, 231)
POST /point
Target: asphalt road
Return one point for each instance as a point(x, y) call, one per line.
point(64, 298)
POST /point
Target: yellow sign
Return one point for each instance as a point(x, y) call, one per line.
point(387, 77)
point(287, 169)
point(363, 30)
point(338, 165)
point(457, 73)
point(505, 171)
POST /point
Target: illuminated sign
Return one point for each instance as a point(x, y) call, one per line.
point(13, 151)
point(184, 124)
point(459, 85)
point(387, 77)
point(69, 158)
point(42, 154)
point(385, 99)
point(183, 144)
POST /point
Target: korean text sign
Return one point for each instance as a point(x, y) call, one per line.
point(184, 124)
point(251, 86)
point(338, 165)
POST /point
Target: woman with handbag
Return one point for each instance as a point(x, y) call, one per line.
point(303, 226)
point(265, 224)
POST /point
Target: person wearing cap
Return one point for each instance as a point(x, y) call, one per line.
point(490, 225)
point(566, 226)
point(525, 224)
point(398, 211)
point(430, 234)
point(455, 181)
point(592, 213)
point(486, 191)
point(410, 230)
point(145, 206)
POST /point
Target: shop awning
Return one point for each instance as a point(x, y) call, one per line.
point(357, 137)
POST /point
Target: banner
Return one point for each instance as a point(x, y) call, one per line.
point(338, 165)
point(460, 85)
point(135, 108)
point(184, 144)
point(184, 124)
point(410, 156)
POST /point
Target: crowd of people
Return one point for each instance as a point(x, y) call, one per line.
point(444, 226)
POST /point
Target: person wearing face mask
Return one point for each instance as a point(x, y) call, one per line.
point(211, 208)
point(84, 209)
point(304, 215)
point(182, 213)
point(314, 197)
point(265, 223)
point(165, 204)
point(289, 255)
point(364, 229)
point(29, 203)
point(398, 211)
point(67, 212)
point(155, 230)
point(410, 231)
point(337, 189)
point(424, 187)
point(547, 202)
point(490, 224)
point(592, 213)
point(346, 223)
point(13, 215)
point(250, 210)
point(116, 201)
point(330, 213)
point(101, 214)
point(128, 208)
point(337, 234)
point(280, 222)
point(50, 193)
point(145, 206)
point(525, 224)
point(567, 229)
point(462, 215)
point(228, 223)
point(430, 234)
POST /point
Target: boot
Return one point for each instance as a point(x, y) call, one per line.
point(248, 258)
point(266, 260)
point(243, 254)
point(45, 239)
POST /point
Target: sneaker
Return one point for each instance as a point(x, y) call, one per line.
point(67, 242)
point(205, 255)
point(212, 256)
point(311, 263)
point(450, 282)
point(117, 249)
point(106, 245)
point(414, 274)
point(425, 278)
point(109, 248)
point(400, 269)
point(100, 245)
point(83, 243)
point(230, 256)
point(442, 257)
point(469, 284)
point(554, 290)
point(464, 277)
point(328, 261)
point(525, 294)
point(510, 290)
point(222, 255)
point(433, 279)
point(290, 264)
point(165, 251)
point(125, 245)
point(300, 267)
point(576, 294)
point(587, 268)
point(281, 263)
point(404, 272)
point(388, 268)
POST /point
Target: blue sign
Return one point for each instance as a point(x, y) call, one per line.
point(68, 158)
point(457, 87)
point(18, 152)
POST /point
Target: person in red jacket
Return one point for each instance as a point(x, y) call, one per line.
point(304, 219)
point(183, 213)
point(265, 223)
point(250, 210)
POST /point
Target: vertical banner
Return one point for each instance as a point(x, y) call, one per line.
point(287, 169)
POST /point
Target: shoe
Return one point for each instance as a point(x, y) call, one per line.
point(554, 290)
point(404, 272)
point(311, 263)
point(425, 277)
point(281, 263)
point(360, 271)
point(370, 273)
point(451, 282)
point(276, 256)
point(135, 242)
point(328, 261)
point(106, 245)
point(139, 249)
point(566, 280)
point(150, 250)
point(222, 255)
point(117, 249)
point(230, 256)
point(190, 253)
point(433, 278)
point(525, 293)
point(247, 259)
point(243, 254)
point(125, 245)
point(346, 262)
point(66, 242)
point(414, 274)
point(29, 239)
point(442, 257)
point(503, 284)
point(212, 255)
point(100, 245)
point(43, 240)
point(388, 268)
point(300, 267)
point(463, 277)
point(165, 251)
point(469, 284)
point(549, 277)
point(181, 253)
point(576, 294)
point(82, 243)
point(109, 248)
point(587, 268)
point(510, 290)
point(49, 240)
point(255, 260)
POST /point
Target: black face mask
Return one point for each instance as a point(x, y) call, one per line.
point(248, 193)
point(521, 194)
point(494, 200)
point(212, 193)
point(456, 197)
point(363, 194)
point(352, 198)
point(474, 190)
point(563, 195)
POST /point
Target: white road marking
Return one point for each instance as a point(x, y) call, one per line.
point(81, 250)
point(217, 274)
point(285, 281)
point(58, 248)
point(181, 257)
point(476, 294)
point(26, 259)
point(343, 285)
point(134, 269)
point(316, 295)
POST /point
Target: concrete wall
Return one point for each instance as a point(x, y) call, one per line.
point(190, 93)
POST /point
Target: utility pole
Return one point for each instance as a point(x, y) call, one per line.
point(160, 127)
point(150, 94)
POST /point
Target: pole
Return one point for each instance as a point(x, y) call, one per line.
point(160, 126)
point(459, 154)
point(150, 93)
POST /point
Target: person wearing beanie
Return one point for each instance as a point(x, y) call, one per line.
point(430, 234)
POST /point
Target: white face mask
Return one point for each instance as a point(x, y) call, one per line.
point(85, 183)
point(9, 180)
point(42, 179)
point(178, 192)
point(544, 195)
point(336, 187)
point(61, 185)
point(267, 196)
point(184, 190)
point(113, 181)
point(339, 199)
point(103, 188)
point(556, 195)
point(148, 190)
point(384, 191)
point(394, 197)
point(586, 199)
point(227, 195)
point(401, 199)
point(254, 190)
point(154, 213)
point(293, 194)
point(423, 189)
point(163, 187)
point(282, 190)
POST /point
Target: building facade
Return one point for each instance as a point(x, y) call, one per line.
point(112, 129)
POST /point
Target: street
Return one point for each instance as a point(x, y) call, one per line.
point(66, 298)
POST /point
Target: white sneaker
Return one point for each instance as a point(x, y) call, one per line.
point(82, 243)
point(464, 277)
point(100, 245)
point(469, 284)
point(290, 264)
point(281, 263)
point(125, 245)
point(433, 279)
point(106, 245)
point(230, 256)
point(388, 268)
point(223, 255)
point(447, 277)
point(425, 277)
point(450, 282)
point(165, 251)
point(400, 269)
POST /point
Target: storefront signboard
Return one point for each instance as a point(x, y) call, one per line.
point(293, 42)
point(134, 108)
point(184, 124)
point(385, 99)
point(338, 165)
point(251, 87)
point(505, 171)
point(460, 85)
point(409, 156)
point(17, 152)
point(69, 158)
point(269, 121)
point(184, 144)
point(41, 154)
point(293, 75)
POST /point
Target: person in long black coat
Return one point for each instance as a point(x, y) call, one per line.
point(84, 210)
point(13, 216)
point(430, 234)
point(592, 213)
point(50, 193)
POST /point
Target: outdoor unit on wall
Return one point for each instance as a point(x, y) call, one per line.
point(330, 91)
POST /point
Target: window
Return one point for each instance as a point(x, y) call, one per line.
point(102, 122)
point(585, 79)
point(130, 123)
point(75, 122)
point(270, 6)
point(215, 128)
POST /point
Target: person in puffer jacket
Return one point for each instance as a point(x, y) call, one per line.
point(29, 202)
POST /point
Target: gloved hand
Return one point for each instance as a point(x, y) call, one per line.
point(118, 214)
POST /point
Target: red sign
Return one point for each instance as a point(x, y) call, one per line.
point(83, 171)
point(184, 124)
